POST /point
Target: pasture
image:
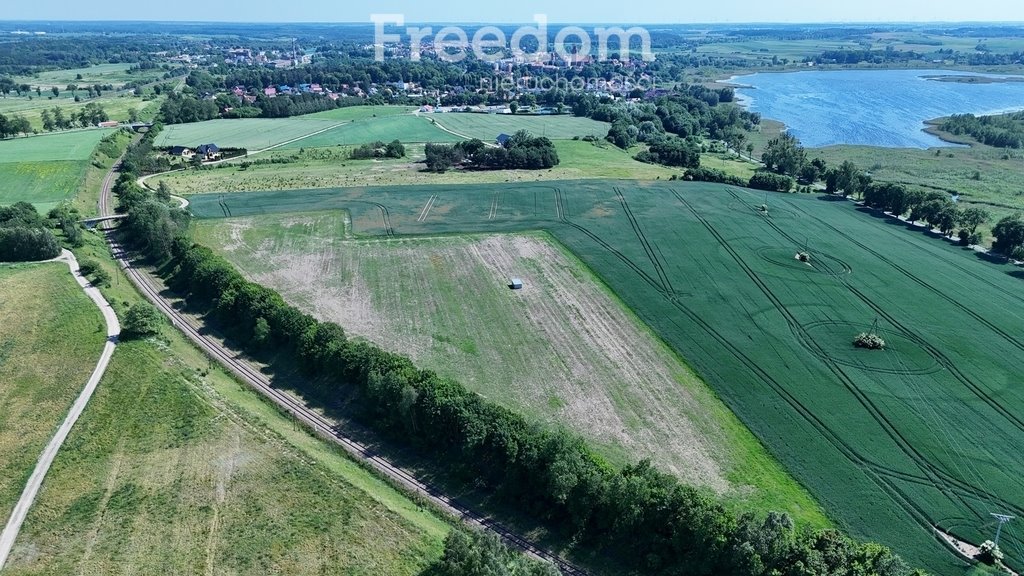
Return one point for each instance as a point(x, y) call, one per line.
point(324, 168)
point(45, 169)
point(486, 127)
point(177, 468)
point(892, 443)
point(344, 126)
point(51, 336)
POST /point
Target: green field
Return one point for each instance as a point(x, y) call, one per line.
point(486, 127)
point(45, 169)
point(320, 168)
point(51, 336)
point(343, 126)
point(893, 442)
point(250, 133)
point(406, 128)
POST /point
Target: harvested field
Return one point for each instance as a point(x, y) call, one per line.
point(563, 349)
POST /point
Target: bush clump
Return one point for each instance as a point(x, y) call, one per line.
point(869, 340)
point(989, 553)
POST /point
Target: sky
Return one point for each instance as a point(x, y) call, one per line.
point(500, 12)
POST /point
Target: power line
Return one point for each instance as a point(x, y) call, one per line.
point(1003, 520)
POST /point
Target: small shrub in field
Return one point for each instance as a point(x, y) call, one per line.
point(142, 320)
point(869, 341)
point(989, 553)
point(88, 266)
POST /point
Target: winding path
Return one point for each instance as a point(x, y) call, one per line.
point(35, 481)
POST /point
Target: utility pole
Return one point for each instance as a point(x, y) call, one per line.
point(1003, 519)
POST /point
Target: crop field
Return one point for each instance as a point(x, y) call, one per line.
point(51, 336)
point(309, 131)
point(893, 443)
point(320, 168)
point(250, 133)
point(486, 127)
point(45, 169)
point(406, 128)
point(562, 350)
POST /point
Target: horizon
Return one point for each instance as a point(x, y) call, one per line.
point(368, 23)
point(652, 12)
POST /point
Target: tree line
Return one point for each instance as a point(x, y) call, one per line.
point(520, 152)
point(1000, 131)
point(939, 209)
point(24, 236)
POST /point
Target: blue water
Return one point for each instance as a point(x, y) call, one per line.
point(871, 107)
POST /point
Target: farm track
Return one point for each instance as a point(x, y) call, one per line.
point(323, 427)
point(935, 477)
point(608, 247)
point(495, 203)
point(426, 209)
point(659, 269)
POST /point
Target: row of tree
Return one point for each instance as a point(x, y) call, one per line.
point(521, 151)
point(89, 115)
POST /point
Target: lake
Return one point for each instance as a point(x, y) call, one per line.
point(871, 107)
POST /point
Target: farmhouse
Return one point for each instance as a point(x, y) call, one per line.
point(208, 151)
point(502, 139)
point(181, 151)
point(515, 284)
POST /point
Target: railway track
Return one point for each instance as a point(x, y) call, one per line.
point(298, 409)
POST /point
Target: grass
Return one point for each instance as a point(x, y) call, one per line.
point(177, 468)
point(387, 128)
point(486, 127)
point(555, 351)
point(51, 336)
point(250, 133)
point(45, 170)
point(890, 443)
point(75, 145)
point(102, 74)
point(162, 474)
point(321, 168)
